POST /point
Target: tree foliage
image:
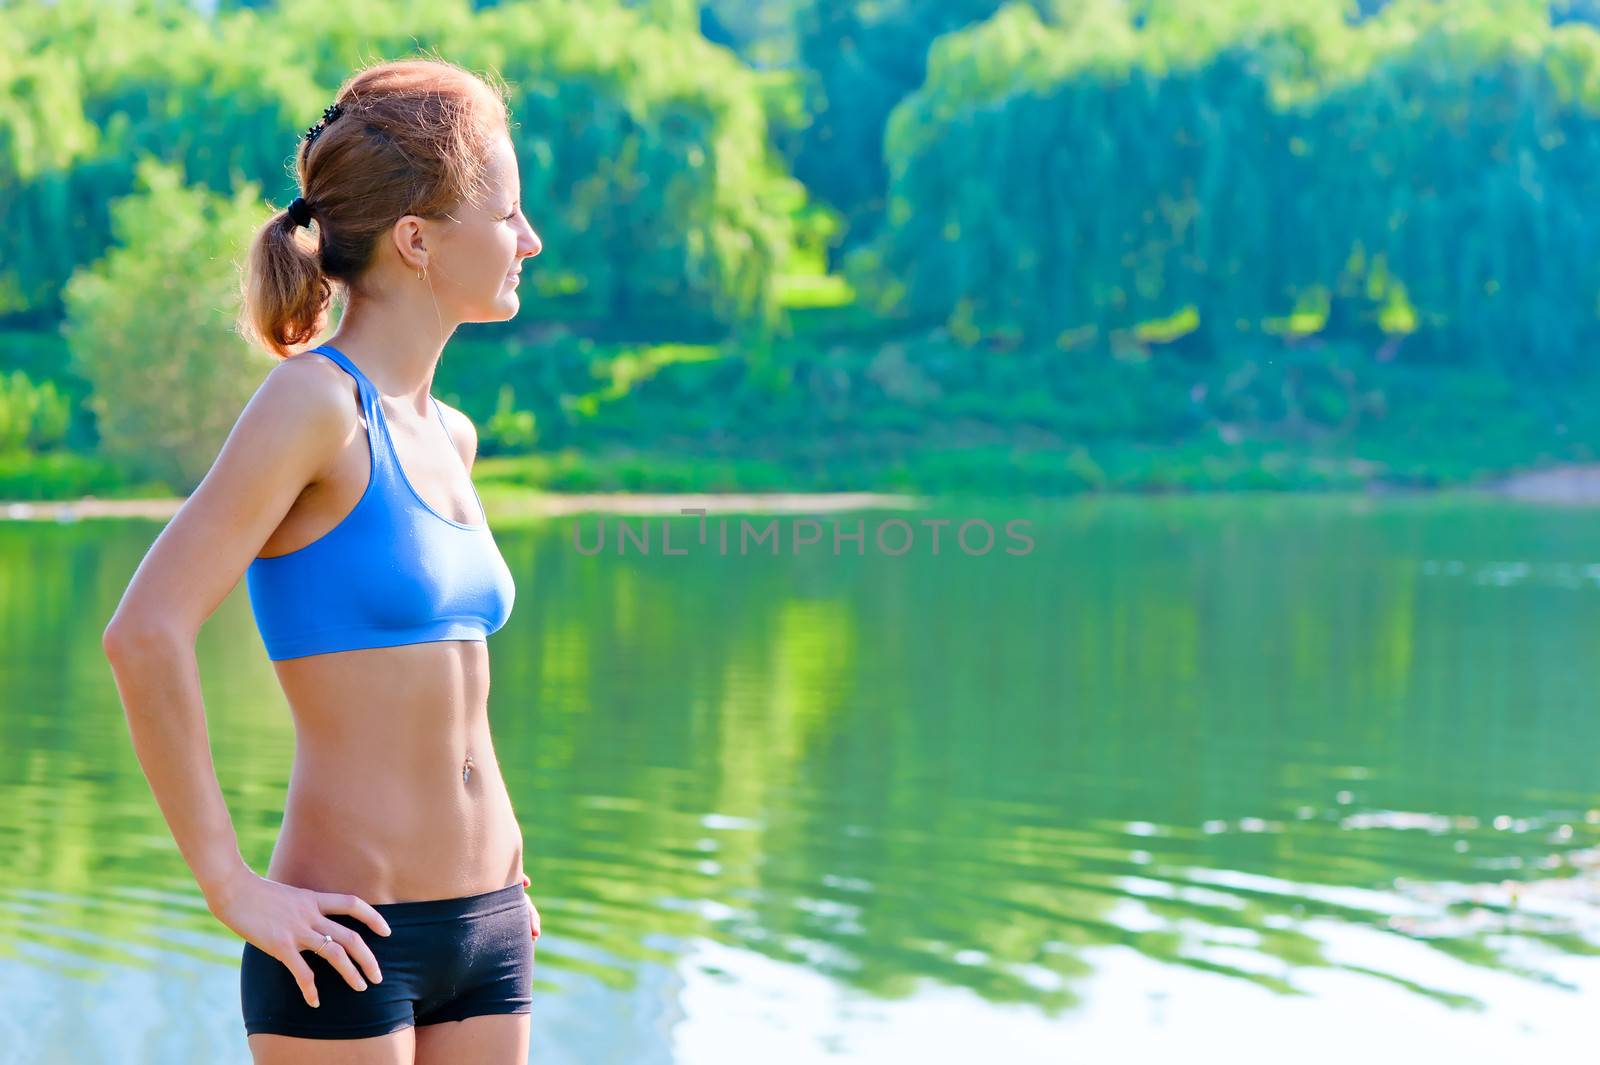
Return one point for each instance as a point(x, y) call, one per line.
point(643, 148)
point(1427, 172)
point(167, 384)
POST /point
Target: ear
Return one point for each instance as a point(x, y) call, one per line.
point(411, 241)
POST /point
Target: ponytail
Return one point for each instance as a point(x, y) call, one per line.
point(285, 293)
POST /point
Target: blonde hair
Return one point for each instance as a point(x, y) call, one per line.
point(414, 137)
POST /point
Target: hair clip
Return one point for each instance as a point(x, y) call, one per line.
point(329, 113)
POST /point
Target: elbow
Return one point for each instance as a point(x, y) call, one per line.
point(116, 639)
point(113, 638)
point(126, 635)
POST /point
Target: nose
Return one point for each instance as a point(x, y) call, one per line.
point(534, 247)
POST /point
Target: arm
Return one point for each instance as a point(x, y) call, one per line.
point(288, 432)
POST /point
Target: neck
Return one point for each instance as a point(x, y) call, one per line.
point(397, 353)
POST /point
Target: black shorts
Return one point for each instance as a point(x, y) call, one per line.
point(444, 960)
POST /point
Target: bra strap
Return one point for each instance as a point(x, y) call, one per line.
point(383, 458)
point(483, 515)
point(440, 412)
point(344, 360)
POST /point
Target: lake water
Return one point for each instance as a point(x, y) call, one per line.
point(1236, 779)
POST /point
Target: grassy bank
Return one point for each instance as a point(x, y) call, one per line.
point(823, 412)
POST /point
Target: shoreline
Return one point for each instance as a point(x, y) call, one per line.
point(539, 504)
point(1576, 484)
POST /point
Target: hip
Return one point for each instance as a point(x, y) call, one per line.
point(446, 959)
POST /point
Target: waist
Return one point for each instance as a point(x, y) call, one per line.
point(389, 836)
point(397, 705)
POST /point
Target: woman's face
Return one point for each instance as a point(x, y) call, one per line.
point(473, 268)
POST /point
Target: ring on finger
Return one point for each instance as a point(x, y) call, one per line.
point(326, 939)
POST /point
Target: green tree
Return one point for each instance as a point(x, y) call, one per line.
point(643, 147)
point(1424, 173)
point(32, 415)
point(43, 130)
point(150, 326)
point(862, 57)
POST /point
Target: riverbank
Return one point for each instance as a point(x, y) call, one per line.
point(919, 415)
point(532, 504)
point(1572, 485)
point(1576, 484)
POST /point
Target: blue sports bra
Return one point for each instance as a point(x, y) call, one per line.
point(393, 571)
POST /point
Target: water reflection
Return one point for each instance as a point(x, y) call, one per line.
point(1300, 749)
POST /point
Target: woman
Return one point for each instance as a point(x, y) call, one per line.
point(393, 924)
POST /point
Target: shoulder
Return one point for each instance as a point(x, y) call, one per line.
point(462, 431)
point(313, 376)
point(306, 399)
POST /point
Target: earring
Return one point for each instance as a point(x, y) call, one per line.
point(420, 273)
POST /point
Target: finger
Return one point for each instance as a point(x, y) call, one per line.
point(533, 918)
point(354, 946)
point(336, 902)
point(525, 880)
point(302, 973)
point(334, 954)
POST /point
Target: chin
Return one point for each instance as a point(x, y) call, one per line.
point(503, 306)
point(499, 313)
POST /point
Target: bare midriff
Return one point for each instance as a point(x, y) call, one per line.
point(379, 804)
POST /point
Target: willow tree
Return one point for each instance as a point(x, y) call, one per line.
point(1423, 173)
